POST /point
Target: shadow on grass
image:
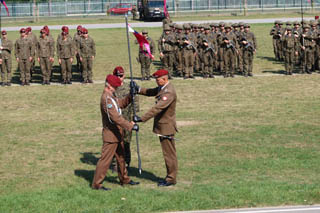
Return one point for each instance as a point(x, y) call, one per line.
point(283, 72)
point(270, 59)
point(91, 159)
point(89, 174)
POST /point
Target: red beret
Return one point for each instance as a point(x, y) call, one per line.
point(65, 29)
point(79, 27)
point(118, 71)
point(160, 73)
point(22, 30)
point(28, 29)
point(84, 30)
point(113, 81)
point(4, 32)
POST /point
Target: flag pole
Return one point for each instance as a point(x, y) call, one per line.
point(133, 95)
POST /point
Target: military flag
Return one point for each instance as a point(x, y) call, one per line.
point(5, 5)
point(143, 42)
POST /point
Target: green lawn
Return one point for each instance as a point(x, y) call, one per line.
point(243, 142)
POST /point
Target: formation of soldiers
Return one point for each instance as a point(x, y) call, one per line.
point(29, 48)
point(207, 49)
point(297, 45)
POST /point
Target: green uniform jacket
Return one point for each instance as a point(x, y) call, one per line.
point(45, 48)
point(7, 48)
point(23, 48)
point(87, 47)
point(65, 49)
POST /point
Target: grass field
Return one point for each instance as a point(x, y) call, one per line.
point(242, 142)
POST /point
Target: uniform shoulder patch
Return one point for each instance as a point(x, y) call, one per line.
point(109, 106)
point(164, 98)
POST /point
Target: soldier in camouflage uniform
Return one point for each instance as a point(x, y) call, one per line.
point(23, 54)
point(144, 58)
point(6, 49)
point(65, 53)
point(189, 52)
point(290, 45)
point(307, 44)
point(34, 41)
point(45, 54)
point(179, 48)
point(297, 30)
point(166, 46)
point(127, 113)
point(87, 51)
point(76, 40)
point(207, 52)
point(275, 36)
point(230, 49)
point(220, 47)
point(249, 47)
point(46, 28)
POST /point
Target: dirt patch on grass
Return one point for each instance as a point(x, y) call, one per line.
point(188, 123)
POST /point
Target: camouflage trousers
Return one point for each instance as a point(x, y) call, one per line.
point(6, 70)
point(279, 49)
point(179, 59)
point(247, 62)
point(87, 64)
point(24, 67)
point(307, 60)
point(188, 62)
point(289, 60)
point(45, 64)
point(229, 61)
point(168, 60)
point(275, 48)
point(206, 60)
point(145, 63)
point(66, 67)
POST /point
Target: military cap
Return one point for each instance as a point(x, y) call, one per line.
point(280, 23)
point(288, 23)
point(201, 26)
point(84, 31)
point(246, 25)
point(216, 24)
point(4, 32)
point(186, 26)
point(22, 30)
point(276, 22)
point(167, 28)
point(207, 27)
point(179, 27)
point(46, 28)
point(227, 26)
point(221, 24)
point(303, 22)
point(160, 73)
point(313, 23)
point(79, 27)
point(194, 26)
point(296, 23)
point(241, 24)
point(212, 24)
point(65, 29)
point(118, 71)
point(234, 25)
point(306, 26)
point(144, 31)
point(113, 80)
point(289, 29)
point(29, 29)
point(171, 25)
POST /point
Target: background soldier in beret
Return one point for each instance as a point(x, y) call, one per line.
point(112, 134)
point(23, 54)
point(65, 52)
point(290, 46)
point(121, 92)
point(76, 40)
point(45, 54)
point(34, 41)
point(87, 51)
point(6, 49)
point(164, 113)
point(145, 61)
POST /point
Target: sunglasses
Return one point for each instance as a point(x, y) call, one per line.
point(120, 76)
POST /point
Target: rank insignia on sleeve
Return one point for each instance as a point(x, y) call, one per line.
point(109, 106)
point(164, 98)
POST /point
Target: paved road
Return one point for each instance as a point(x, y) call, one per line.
point(153, 24)
point(289, 209)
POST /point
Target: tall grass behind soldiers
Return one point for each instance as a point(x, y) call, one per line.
point(6, 60)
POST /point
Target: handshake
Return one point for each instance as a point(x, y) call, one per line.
point(136, 119)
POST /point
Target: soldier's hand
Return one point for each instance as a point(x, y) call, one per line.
point(71, 60)
point(135, 127)
point(81, 59)
point(30, 58)
point(92, 57)
point(59, 61)
point(163, 40)
point(161, 54)
point(137, 119)
point(52, 59)
point(38, 59)
point(1, 48)
point(17, 59)
point(296, 53)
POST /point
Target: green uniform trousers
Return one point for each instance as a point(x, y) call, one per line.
point(87, 63)
point(289, 61)
point(168, 60)
point(145, 62)
point(66, 71)
point(247, 62)
point(24, 67)
point(6, 70)
point(45, 65)
point(188, 62)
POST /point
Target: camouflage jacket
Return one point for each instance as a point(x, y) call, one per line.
point(65, 48)
point(87, 47)
point(23, 48)
point(45, 48)
point(6, 48)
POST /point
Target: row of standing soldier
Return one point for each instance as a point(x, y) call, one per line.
point(297, 44)
point(28, 48)
point(207, 49)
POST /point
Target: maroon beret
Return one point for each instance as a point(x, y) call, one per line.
point(118, 71)
point(28, 29)
point(4, 32)
point(84, 30)
point(79, 27)
point(65, 29)
point(22, 30)
point(113, 80)
point(160, 73)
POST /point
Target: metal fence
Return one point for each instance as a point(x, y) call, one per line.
point(98, 7)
